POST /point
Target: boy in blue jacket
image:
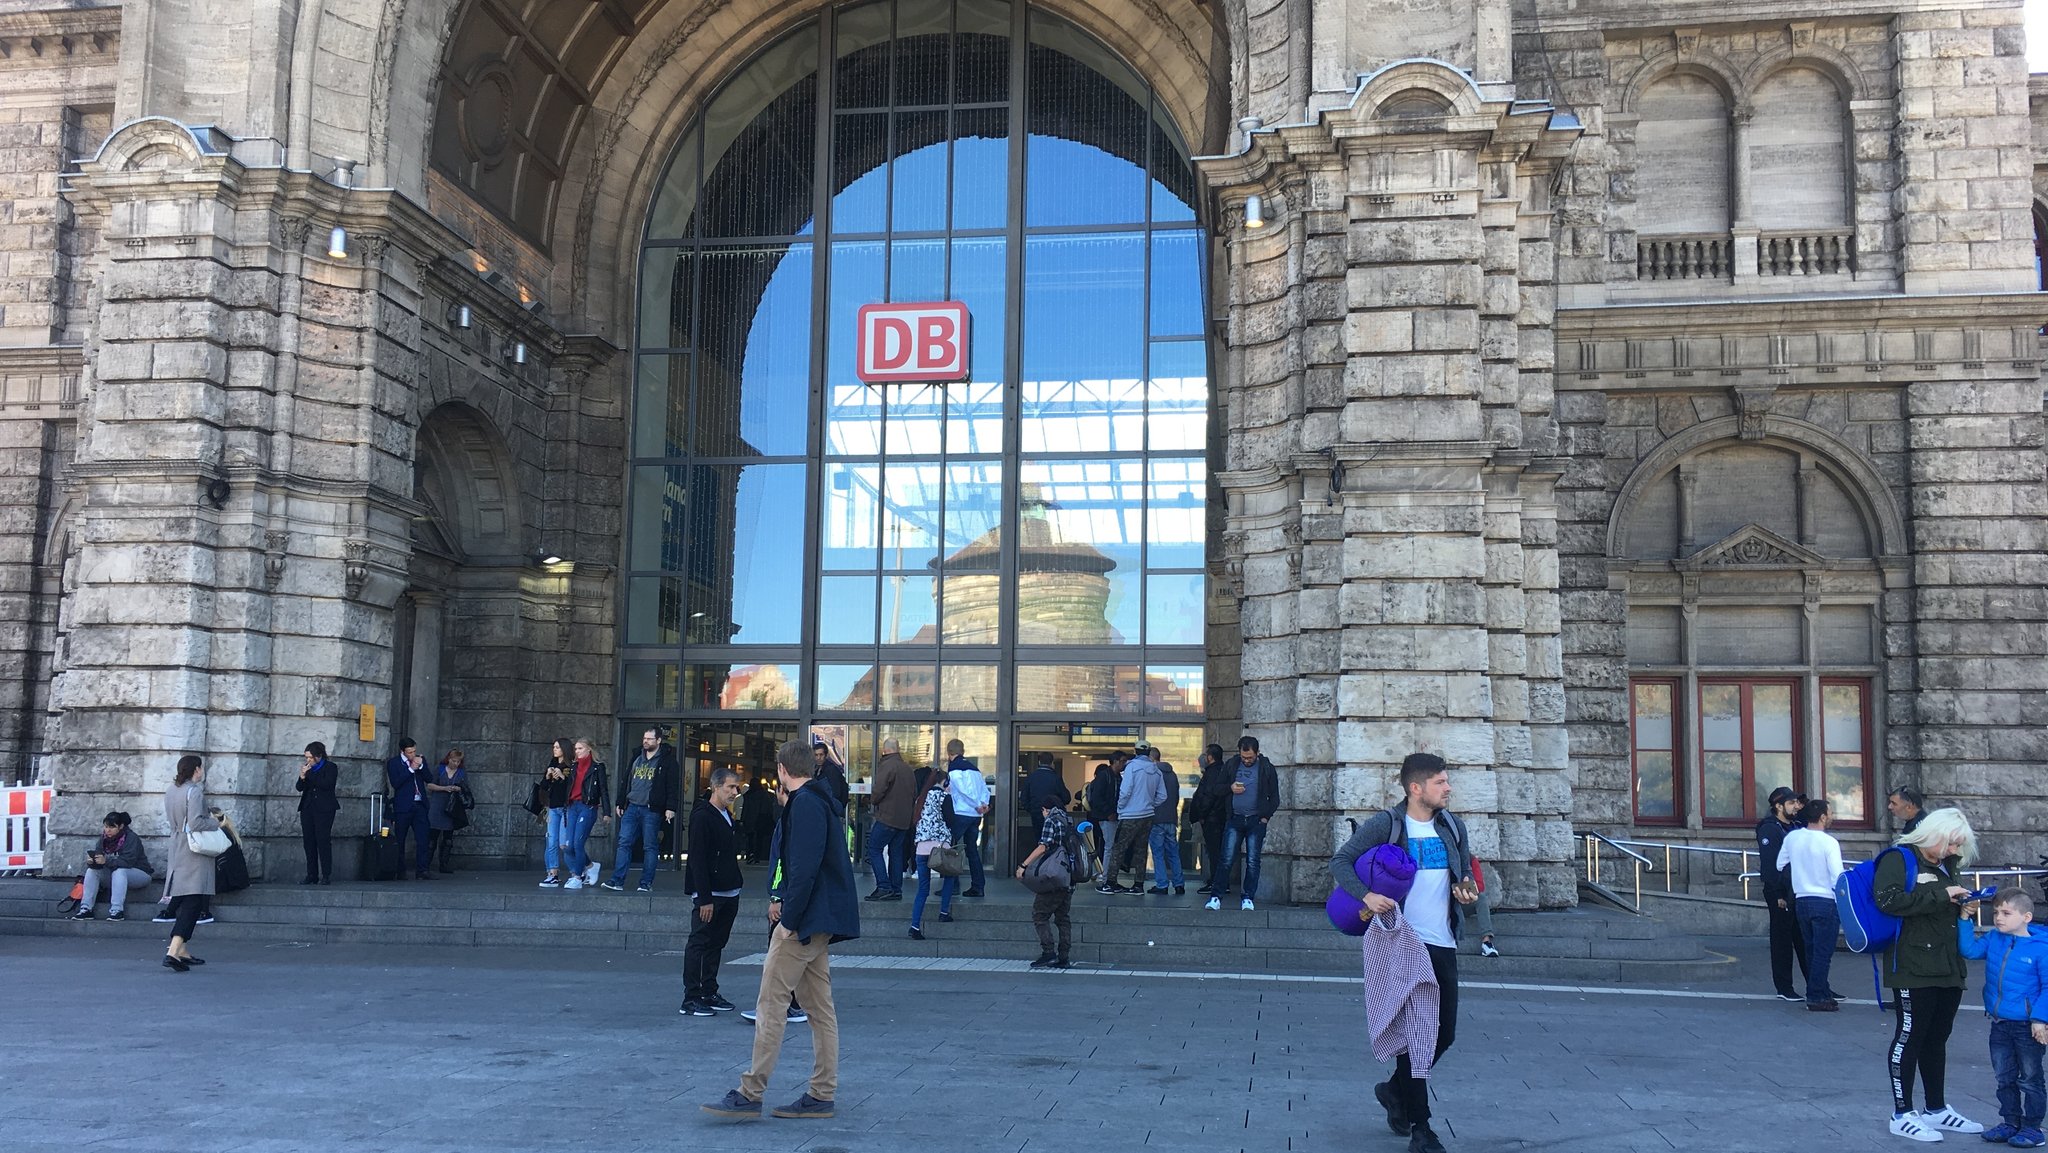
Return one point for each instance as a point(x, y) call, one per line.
point(2015, 958)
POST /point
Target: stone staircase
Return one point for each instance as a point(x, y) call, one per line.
point(507, 911)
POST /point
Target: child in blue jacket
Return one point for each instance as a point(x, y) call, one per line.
point(2015, 958)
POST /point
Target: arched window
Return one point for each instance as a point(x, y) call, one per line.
point(1798, 145)
point(1025, 544)
point(1682, 208)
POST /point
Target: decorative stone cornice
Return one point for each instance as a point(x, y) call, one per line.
point(57, 34)
point(1752, 547)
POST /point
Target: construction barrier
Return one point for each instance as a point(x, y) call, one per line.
point(24, 827)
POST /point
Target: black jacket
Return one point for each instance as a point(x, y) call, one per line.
point(662, 798)
point(713, 865)
point(1770, 837)
point(1102, 797)
point(833, 777)
point(1167, 812)
point(1269, 786)
point(1042, 783)
point(593, 786)
point(316, 788)
point(1390, 827)
point(817, 888)
point(1211, 803)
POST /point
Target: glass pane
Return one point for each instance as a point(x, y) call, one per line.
point(661, 410)
point(974, 509)
point(919, 183)
point(1177, 283)
point(853, 508)
point(906, 688)
point(1174, 612)
point(910, 610)
point(1723, 772)
point(916, 416)
point(745, 544)
point(652, 687)
point(978, 281)
point(1079, 688)
point(861, 42)
point(1080, 527)
point(910, 516)
point(759, 134)
point(1842, 718)
point(973, 603)
point(981, 167)
point(1721, 717)
point(1842, 785)
point(1653, 786)
point(848, 688)
point(666, 293)
point(1173, 689)
point(853, 419)
point(1173, 178)
point(1088, 132)
point(657, 504)
point(1771, 771)
point(1084, 307)
point(974, 417)
point(654, 611)
point(756, 352)
point(1177, 400)
point(1770, 710)
point(1653, 717)
point(981, 51)
point(846, 610)
point(922, 51)
point(740, 687)
point(675, 205)
point(1175, 513)
point(917, 271)
point(860, 172)
point(967, 688)
point(856, 279)
point(1083, 416)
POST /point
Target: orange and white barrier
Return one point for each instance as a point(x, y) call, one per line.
point(24, 827)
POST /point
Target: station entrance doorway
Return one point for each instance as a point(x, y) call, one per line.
point(1079, 749)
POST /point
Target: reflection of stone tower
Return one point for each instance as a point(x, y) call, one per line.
point(1062, 586)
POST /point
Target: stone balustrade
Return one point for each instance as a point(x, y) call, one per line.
point(1702, 256)
point(1808, 252)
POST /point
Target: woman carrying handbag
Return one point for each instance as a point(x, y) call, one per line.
point(447, 808)
point(194, 830)
point(934, 833)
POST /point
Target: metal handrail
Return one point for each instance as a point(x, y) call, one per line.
point(1594, 841)
point(1668, 848)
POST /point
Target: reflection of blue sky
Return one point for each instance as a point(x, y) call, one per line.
point(767, 568)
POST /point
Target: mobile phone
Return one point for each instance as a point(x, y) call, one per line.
point(1983, 894)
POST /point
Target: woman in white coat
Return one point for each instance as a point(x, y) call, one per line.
point(190, 881)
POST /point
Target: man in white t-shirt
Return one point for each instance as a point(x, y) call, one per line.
point(1812, 859)
point(1435, 838)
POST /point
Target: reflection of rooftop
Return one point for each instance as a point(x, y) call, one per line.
point(1039, 549)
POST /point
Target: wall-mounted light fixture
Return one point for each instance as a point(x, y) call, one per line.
point(1254, 211)
point(337, 243)
point(517, 352)
point(217, 493)
point(546, 557)
point(343, 174)
point(460, 316)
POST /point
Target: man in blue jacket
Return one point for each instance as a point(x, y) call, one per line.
point(816, 907)
point(408, 775)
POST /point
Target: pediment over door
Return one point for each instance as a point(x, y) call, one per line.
point(1752, 547)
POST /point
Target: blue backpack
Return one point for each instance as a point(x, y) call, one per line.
point(1865, 927)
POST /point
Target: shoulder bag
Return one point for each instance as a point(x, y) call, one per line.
point(204, 836)
point(949, 861)
point(1049, 874)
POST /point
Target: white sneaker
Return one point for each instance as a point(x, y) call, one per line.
point(1213, 904)
point(590, 873)
point(1245, 904)
point(575, 882)
point(1908, 1125)
point(1949, 1121)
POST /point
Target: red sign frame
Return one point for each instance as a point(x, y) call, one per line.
point(922, 343)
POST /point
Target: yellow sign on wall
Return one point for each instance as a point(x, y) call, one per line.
point(366, 725)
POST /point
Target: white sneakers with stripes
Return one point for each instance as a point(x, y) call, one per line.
point(1949, 1121)
point(1908, 1125)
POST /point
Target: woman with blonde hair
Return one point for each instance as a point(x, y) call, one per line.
point(1919, 881)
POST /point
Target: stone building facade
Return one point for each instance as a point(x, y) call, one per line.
point(1637, 404)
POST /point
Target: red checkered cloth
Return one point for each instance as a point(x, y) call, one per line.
point(1402, 1000)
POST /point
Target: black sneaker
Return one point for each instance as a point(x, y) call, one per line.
point(945, 916)
point(697, 1009)
point(974, 893)
point(797, 1016)
point(916, 934)
point(892, 895)
point(163, 917)
point(204, 919)
point(1109, 887)
point(1397, 1114)
point(1157, 890)
point(719, 1004)
point(1136, 890)
point(1180, 890)
point(1061, 963)
point(805, 1108)
point(120, 916)
point(874, 896)
point(1792, 997)
point(735, 1104)
point(1044, 959)
point(83, 914)
point(1422, 1139)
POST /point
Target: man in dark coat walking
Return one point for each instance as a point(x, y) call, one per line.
point(816, 906)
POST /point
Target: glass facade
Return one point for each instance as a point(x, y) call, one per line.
point(920, 560)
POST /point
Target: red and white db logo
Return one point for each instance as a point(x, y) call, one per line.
point(915, 342)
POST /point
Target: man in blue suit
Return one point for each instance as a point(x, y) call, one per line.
point(408, 775)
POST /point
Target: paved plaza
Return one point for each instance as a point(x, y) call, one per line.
point(273, 1048)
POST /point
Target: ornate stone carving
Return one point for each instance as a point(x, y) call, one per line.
point(1751, 546)
point(1751, 406)
point(274, 545)
point(355, 566)
point(291, 233)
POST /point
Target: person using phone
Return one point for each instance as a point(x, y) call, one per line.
point(120, 862)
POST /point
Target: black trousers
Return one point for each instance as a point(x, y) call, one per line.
point(1787, 942)
point(1212, 854)
point(317, 830)
point(1054, 910)
point(1413, 1091)
point(187, 909)
point(1920, 1045)
point(706, 948)
point(443, 843)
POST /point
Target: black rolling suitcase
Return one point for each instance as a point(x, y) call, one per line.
point(381, 861)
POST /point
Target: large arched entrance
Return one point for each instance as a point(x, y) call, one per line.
point(1014, 559)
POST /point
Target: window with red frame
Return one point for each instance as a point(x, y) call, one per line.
point(1845, 766)
point(1749, 745)
point(1653, 738)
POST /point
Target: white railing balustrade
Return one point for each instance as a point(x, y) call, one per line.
point(1813, 252)
point(1699, 257)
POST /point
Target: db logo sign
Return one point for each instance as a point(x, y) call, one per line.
point(926, 343)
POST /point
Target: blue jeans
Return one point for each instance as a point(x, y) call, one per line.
point(1166, 856)
point(558, 838)
point(1251, 833)
point(967, 831)
point(575, 832)
point(924, 889)
point(2016, 1064)
point(640, 826)
point(1819, 925)
point(885, 856)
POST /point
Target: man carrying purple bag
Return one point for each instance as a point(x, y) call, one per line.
point(1433, 838)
